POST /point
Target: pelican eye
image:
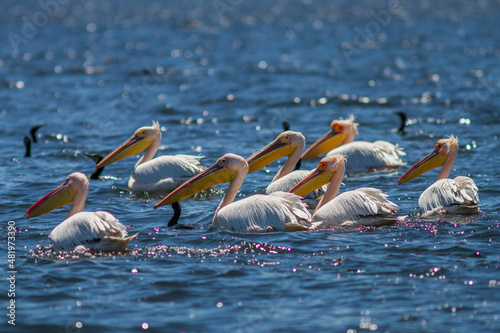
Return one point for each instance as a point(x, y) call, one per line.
point(322, 166)
point(338, 128)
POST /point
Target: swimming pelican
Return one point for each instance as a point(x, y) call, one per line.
point(287, 143)
point(361, 155)
point(161, 174)
point(454, 196)
point(99, 230)
point(278, 211)
point(365, 206)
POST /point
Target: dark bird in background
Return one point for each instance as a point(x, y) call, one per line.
point(27, 145)
point(402, 116)
point(173, 222)
point(96, 158)
point(33, 131)
point(286, 125)
point(27, 140)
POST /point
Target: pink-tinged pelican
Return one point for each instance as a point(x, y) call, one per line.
point(99, 230)
point(364, 206)
point(361, 156)
point(161, 174)
point(289, 144)
point(278, 211)
point(454, 196)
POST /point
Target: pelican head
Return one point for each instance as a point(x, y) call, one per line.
point(343, 131)
point(223, 171)
point(285, 144)
point(444, 149)
point(142, 139)
point(320, 176)
point(60, 196)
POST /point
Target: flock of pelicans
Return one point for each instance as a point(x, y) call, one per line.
point(285, 207)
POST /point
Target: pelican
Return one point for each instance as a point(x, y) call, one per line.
point(278, 211)
point(365, 206)
point(161, 174)
point(454, 196)
point(361, 155)
point(287, 143)
point(99, 230)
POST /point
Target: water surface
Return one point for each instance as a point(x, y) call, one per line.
point(221, 77)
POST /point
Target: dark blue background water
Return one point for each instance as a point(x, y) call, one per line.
point(221, 76)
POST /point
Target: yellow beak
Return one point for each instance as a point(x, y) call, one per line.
point(270, 153)
point(59, 197)
point(328, 142)
point(212, 176)
point(316, 179)
point(132, 146)
point(431, 161)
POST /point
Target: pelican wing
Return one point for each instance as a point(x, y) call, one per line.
point(286, 183)
point(258, 212)
point(362, 155)
point(456, 196)
point(364, 205)
point(98, 230)
point(164, 173)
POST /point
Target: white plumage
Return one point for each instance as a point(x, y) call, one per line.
point(364, 206)
point(259, 213)
point(99, 231)
point(94, 230)
point(369, 156)
point(164, 173)
point(454, 196)
point(161, 174)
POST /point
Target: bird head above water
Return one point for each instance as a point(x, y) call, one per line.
point(444, 155)
point(224, 170)
point(141, 140)
point(342, 131)
point(285, 144)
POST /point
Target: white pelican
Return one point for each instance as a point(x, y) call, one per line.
point(161, 174)
point(365, 206)
point(99, 230)
point(287, 143)
point(361, 155)
point(278, 211)
point(454, 196)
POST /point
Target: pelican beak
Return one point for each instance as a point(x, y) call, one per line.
point(270, 153)
point(214, 175)
point(59, 197)
point(132, 146)
point(329, 141)
point(431, 161)
point(317, 178)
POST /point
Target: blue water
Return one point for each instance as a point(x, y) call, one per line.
point(221, 76)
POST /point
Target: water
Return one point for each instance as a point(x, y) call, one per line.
point(221, 77)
